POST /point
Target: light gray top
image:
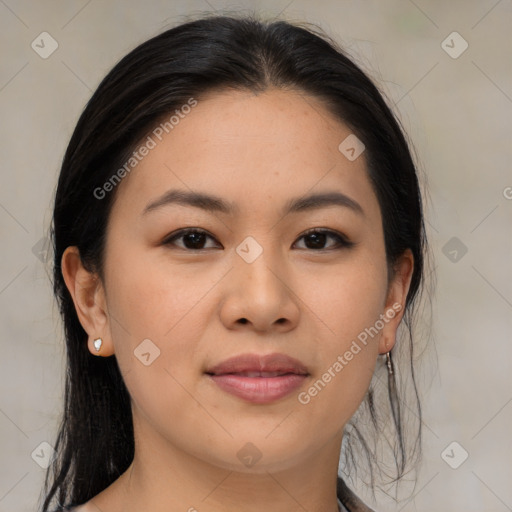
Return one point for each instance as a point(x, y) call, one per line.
point(342, 507)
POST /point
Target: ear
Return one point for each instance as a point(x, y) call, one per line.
point(395, 301)
point(88, 295)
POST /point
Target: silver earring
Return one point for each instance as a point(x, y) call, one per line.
point(389, 363)
point(97, 344)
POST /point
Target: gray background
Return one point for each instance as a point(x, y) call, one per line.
point(457, 112)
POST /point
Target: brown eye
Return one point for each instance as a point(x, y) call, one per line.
point(316, 239)
point(193, 239)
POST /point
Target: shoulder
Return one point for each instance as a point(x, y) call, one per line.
point(79, 508)
point(349, 498)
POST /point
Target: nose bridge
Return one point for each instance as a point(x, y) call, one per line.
point(260, 294)
point(258, 265)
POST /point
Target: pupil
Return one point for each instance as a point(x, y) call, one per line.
point(318, 239)
point(195, 238)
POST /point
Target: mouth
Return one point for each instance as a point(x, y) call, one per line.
point(259, 379)
point(258, 374)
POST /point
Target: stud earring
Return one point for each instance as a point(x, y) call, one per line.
point(97, 344)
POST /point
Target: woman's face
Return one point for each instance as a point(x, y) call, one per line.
point(253, 283)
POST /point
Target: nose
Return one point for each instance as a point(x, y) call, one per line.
point(259, 296)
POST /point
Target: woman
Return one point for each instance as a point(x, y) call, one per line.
point(238, 235)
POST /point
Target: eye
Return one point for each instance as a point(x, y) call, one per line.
point(194, 239)
point(316, 238)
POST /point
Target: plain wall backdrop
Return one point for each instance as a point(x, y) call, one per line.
point(455, 103)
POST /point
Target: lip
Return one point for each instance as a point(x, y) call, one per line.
point(259, 378)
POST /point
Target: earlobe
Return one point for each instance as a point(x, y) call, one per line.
point(396, 299)
point(88, 296)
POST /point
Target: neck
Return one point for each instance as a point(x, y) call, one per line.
point(163, 478)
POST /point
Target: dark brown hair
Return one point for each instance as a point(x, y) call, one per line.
point(95, 443)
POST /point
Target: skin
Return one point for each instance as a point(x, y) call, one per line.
point(309, 303)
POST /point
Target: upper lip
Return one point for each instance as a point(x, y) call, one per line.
point(280, 363)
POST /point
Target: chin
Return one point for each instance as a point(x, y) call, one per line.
point(260, 456)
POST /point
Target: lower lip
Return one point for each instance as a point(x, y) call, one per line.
point(259, 390)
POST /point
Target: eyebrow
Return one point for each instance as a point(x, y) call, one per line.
point(211, 203)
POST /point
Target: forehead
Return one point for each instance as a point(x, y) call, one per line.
point(252, 147)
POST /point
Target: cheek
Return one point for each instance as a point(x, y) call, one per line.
point(155, 322)
point(347, 298)
point(151, 297)
point(147, 302)
point(348, 303)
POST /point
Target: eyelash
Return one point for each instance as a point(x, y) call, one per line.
point(342, 241)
